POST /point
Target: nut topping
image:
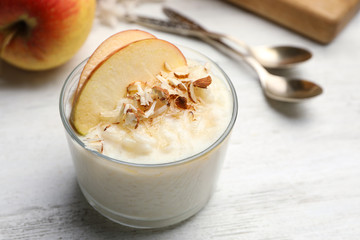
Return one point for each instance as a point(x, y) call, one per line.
point(181, 74)
point(174, 82)
point(191, 92)
point(203, 82)
point(169, 93)
point(161, 93)
point(132, 119)
point(181, 102)
point(182, 87)
point(151, 111)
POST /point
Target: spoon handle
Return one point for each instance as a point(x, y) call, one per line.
point(185, 29)
point(212, 38)
point(227, 49)
point(216, 40)
point(175, 16)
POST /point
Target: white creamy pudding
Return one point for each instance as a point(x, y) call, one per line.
point(174, 115)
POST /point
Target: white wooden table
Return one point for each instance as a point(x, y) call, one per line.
point(292, 170)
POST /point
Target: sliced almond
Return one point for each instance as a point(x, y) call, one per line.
point(191, 92)
point(181, 74)
point(173, 96)
point(181, 102)
point(182, 87)
point(131, 118)
point(203, 82)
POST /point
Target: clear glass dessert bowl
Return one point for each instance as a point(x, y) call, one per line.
point(147, 195)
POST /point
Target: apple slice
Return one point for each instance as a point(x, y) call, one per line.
point(138, 61)
point(110, 45)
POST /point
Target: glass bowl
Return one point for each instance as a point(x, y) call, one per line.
point(146, 195)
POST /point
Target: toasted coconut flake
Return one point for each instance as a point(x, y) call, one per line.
point(140, 112)
point(174, 82)
point(107, 127)
point(94, 140)
point(150, 112)
point(191, 92)
point(139, 87)
point(203, 82)
point(129, 106)
point(114, 115)
point(161, 110)
point(147, 96)
point(181, 102)
point(192, 115)
point(131, 119)
point(145, 99)
point(161, 79)
point(131, 88)
point(161, 93)
point(96, 144)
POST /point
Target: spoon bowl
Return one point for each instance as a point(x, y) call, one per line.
point(280, 57)
point(275, 87)
point(288, 89)
point(282, 88)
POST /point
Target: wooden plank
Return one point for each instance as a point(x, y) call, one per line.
point(320, 20)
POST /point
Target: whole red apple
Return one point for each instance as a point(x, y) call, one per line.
point(42, 34)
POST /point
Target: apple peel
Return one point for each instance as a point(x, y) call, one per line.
point(108, 47)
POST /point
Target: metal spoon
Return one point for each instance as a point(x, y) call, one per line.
point(270, 57)
point(274, 87)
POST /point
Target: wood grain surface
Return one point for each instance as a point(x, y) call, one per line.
point(321, 20)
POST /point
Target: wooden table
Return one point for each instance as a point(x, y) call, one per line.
point(292, 171)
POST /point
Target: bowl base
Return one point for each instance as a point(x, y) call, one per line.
point(140, 223)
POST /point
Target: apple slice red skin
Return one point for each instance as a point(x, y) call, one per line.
point(109, 46)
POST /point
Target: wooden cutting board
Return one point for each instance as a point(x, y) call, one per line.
point(320, 20)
